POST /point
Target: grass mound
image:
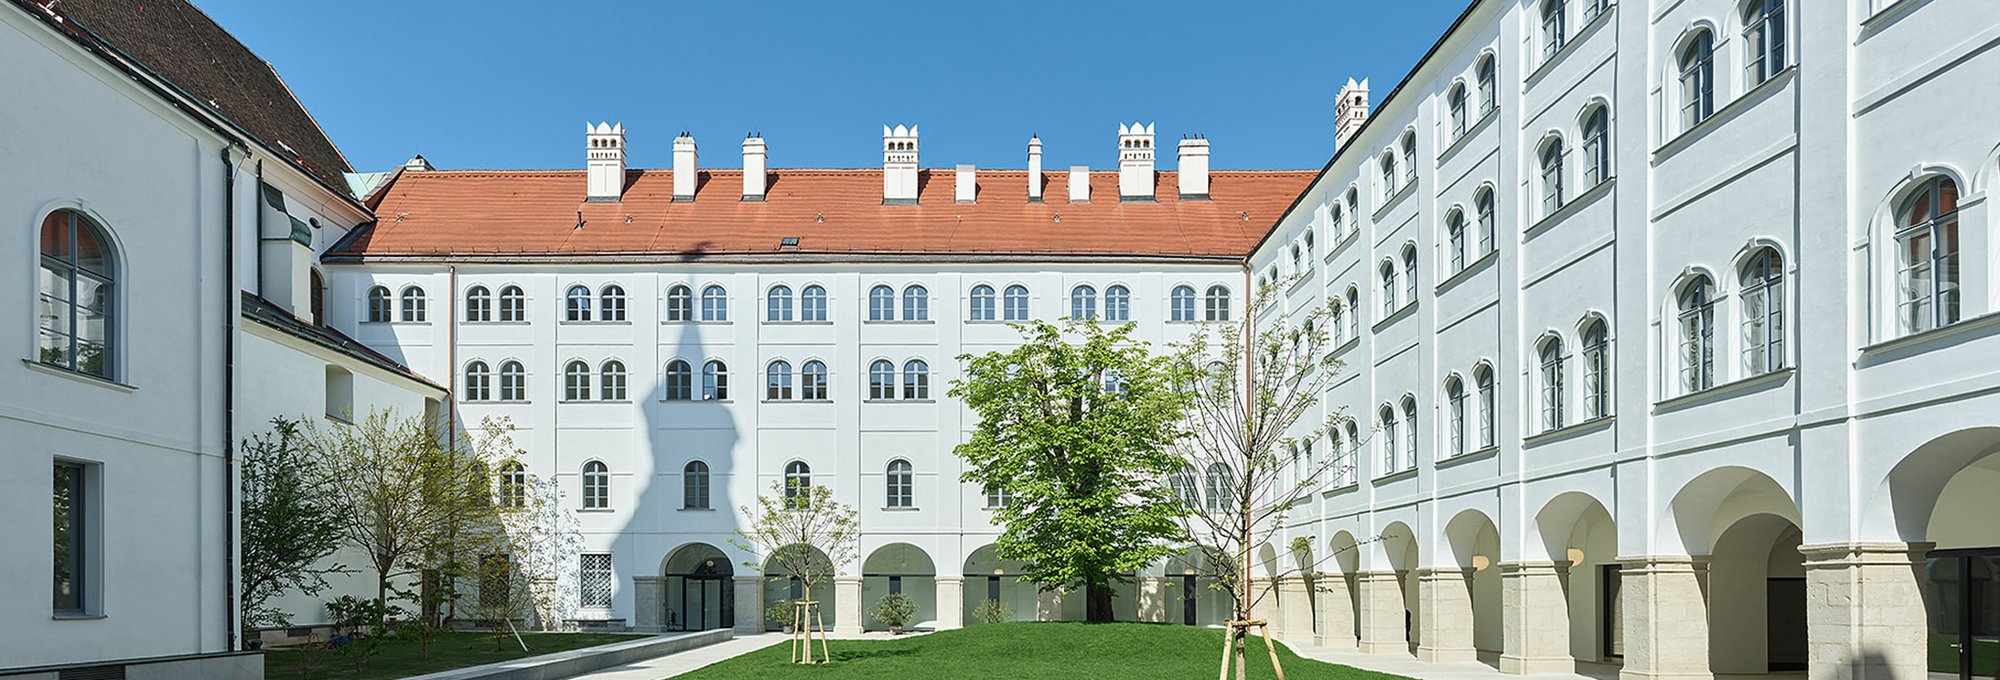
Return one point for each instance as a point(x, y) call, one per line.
point(1027, 651)
point(403, 657)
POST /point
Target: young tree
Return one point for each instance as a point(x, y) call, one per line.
point(290, 524)
point(1076, 424)
point(543, 539)
point(801, 532)
point(1250, 411)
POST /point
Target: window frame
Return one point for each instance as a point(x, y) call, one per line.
point(982, 304)
point(478, 304)
point(680, 303)
point(899, 485)
point(695, 486)
point(1549, 360)
point(1695, 61)
point(1762, 318)
point(576, 380)
point(1695, 303)
point(596, 478)
point(611, 303)
point(1939, 302)
point(513, 304)
point(70, 270)
point(678, 384)
point(576, 304)
point(611, 380)
point(778, 380)
point(714, 304)
point(881, 303)
point(778, 304)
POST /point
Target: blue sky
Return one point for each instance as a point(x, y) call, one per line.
point(509, 84)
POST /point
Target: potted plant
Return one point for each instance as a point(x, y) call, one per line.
point(992, 611)
point(895, 611)
point(782, 612)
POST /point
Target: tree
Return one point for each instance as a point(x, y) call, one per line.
point(800, 532)
point(1075, 424)
point(290, 524)
point(543, 539)
point(1247, 416)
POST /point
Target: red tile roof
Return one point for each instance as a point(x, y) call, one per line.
point(835, 214)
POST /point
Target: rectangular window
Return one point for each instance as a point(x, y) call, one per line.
point(70, 506)
point(596, 581)
point(495, 581)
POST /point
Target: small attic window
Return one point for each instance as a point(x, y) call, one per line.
point(788, 243)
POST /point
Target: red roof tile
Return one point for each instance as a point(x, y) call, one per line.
point(474, 214)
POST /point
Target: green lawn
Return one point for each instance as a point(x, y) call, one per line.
point(1024, 651)
point(400, 658)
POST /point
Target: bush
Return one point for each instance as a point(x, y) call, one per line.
point(895, 610)
point(782, 612)
point(992, 611)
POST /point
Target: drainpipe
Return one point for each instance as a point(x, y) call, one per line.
point(450, 398)
point(230, 298)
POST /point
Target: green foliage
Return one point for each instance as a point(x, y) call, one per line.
point(290, 523)
point(783, 612)
point(992, 611)
point(799, 533)
point(895, 610)
point(1076, 424)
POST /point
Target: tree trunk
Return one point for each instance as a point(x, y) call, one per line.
point(1098, 606)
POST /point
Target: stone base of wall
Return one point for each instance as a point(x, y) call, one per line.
point(228, 666)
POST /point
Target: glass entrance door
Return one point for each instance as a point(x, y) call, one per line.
point(1963, 605)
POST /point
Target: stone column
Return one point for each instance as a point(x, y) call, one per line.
point(950, 602)
point(846, 605)
point(1382, 615)
point(1536, 618)
point(1666, 618)
point(749, 605)
point(1335, 611)
point(1152, 599)
point(1295, 606)
point(646, 604)
point(1048, 605)
point(1264, 604)
point(1445, 594)
point(1865, 612)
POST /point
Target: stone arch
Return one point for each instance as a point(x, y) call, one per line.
point(1473, 591)
point(988, 577)
point(1579, 535)
point(779, 587)
point(1713, 501)
point(697, 589)
point(1937, 475)
point(900, 568)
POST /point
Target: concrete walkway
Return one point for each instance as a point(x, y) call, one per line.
point(1487, 668)
point(676, 664)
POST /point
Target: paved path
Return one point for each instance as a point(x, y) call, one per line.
point(676, 664)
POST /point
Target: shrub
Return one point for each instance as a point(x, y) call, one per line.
point(992, 611)
point(782, 612)
point(895, 610)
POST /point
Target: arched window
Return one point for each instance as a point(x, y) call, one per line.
point(611, 381)
point(778, 380)
point(414, 304)
point(1182, 302)
point(1117, 304)
point(1015, 304)
point(1488, 93)
point(76, 283)
point(513, 304)
point(1596, 146)
point(1217, 303)
point(694, 486)
point(714, 381)
point(680, 381)
point(1221, 487)
point(1552, 176)
point(1338, 217)
point(1596, 369)
point(1350, 458)
point(576, 381)
point(1307, 238)
point(1454, 231)
point(1551, 354)
point(901, 485)
point(812, 303)
point(611, 302)
point(881, 304)
point(714, 304)
point(1410, 274)
point(596, 486)
point(798, 483)
point(1390, 461)
point(1455, 108)
point(1339, 322)
point(1697, 67)
point(1592, 9)
point(478, 304)
point(1763, 313)
point(1555, 28)
point(513, 484)
point(998, 496)
point(1482, 202)
point(1083, 303)
point(1354, 318)
point(381, 309)
point(1927, 257)
point(513, 381)
point(1763, 40)
point(778, 303)
point(576, 304)
point(1183, 485)
point(916, 379)
point(1489, 407)
point(680, 303)
point(1409, 158)
point(1114, 382)
point(812, 381)
point(1298, 258)
point(1389, 175)
point(983, 307)
point(882, 380)
point(1409, 432)
point(1388, 273)
point(916, 304)
point(478, 381)
point(1454, 396)
point(1697, 335)
point(317, 282)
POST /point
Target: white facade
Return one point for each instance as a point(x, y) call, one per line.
point(1807, 464)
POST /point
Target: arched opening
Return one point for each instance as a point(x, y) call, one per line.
point(1942, 494)
point(1341, 618)
point(1400, 554)
point(899, 568)
point(1475, 548)
point(1195, 597)
point(696, 590)
point(1747, 525)
point(987, 577)
point(780, 586)
point(1580, 536)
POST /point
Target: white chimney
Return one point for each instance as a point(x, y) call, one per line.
point(1193, 168)
point(1079, 184)
point(968, 184)
point(899, 165)
point(1350, 111)
point(684, 168)
point(753, 168)
point(1034, 169)
point(418, 163)
point(1135, 162)
point(604, 161)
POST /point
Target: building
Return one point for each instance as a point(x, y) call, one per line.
point(1662, 331)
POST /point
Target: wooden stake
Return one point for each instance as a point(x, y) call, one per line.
point(1228, 642)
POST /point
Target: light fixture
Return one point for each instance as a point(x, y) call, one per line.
point(1187, 572)
point(997, 572)
point(1479, 563)
point(1575, 556)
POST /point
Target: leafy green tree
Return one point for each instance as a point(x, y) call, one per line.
point(290, 524)
point(799, 532)
point(1076, 424)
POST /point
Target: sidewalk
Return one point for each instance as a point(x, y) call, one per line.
point(676, 664)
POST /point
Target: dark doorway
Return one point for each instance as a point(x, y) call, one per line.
point(1188, 609)
point(1785, 623)
point(699, 596)
point(1611, 617)
point(1962, 603)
